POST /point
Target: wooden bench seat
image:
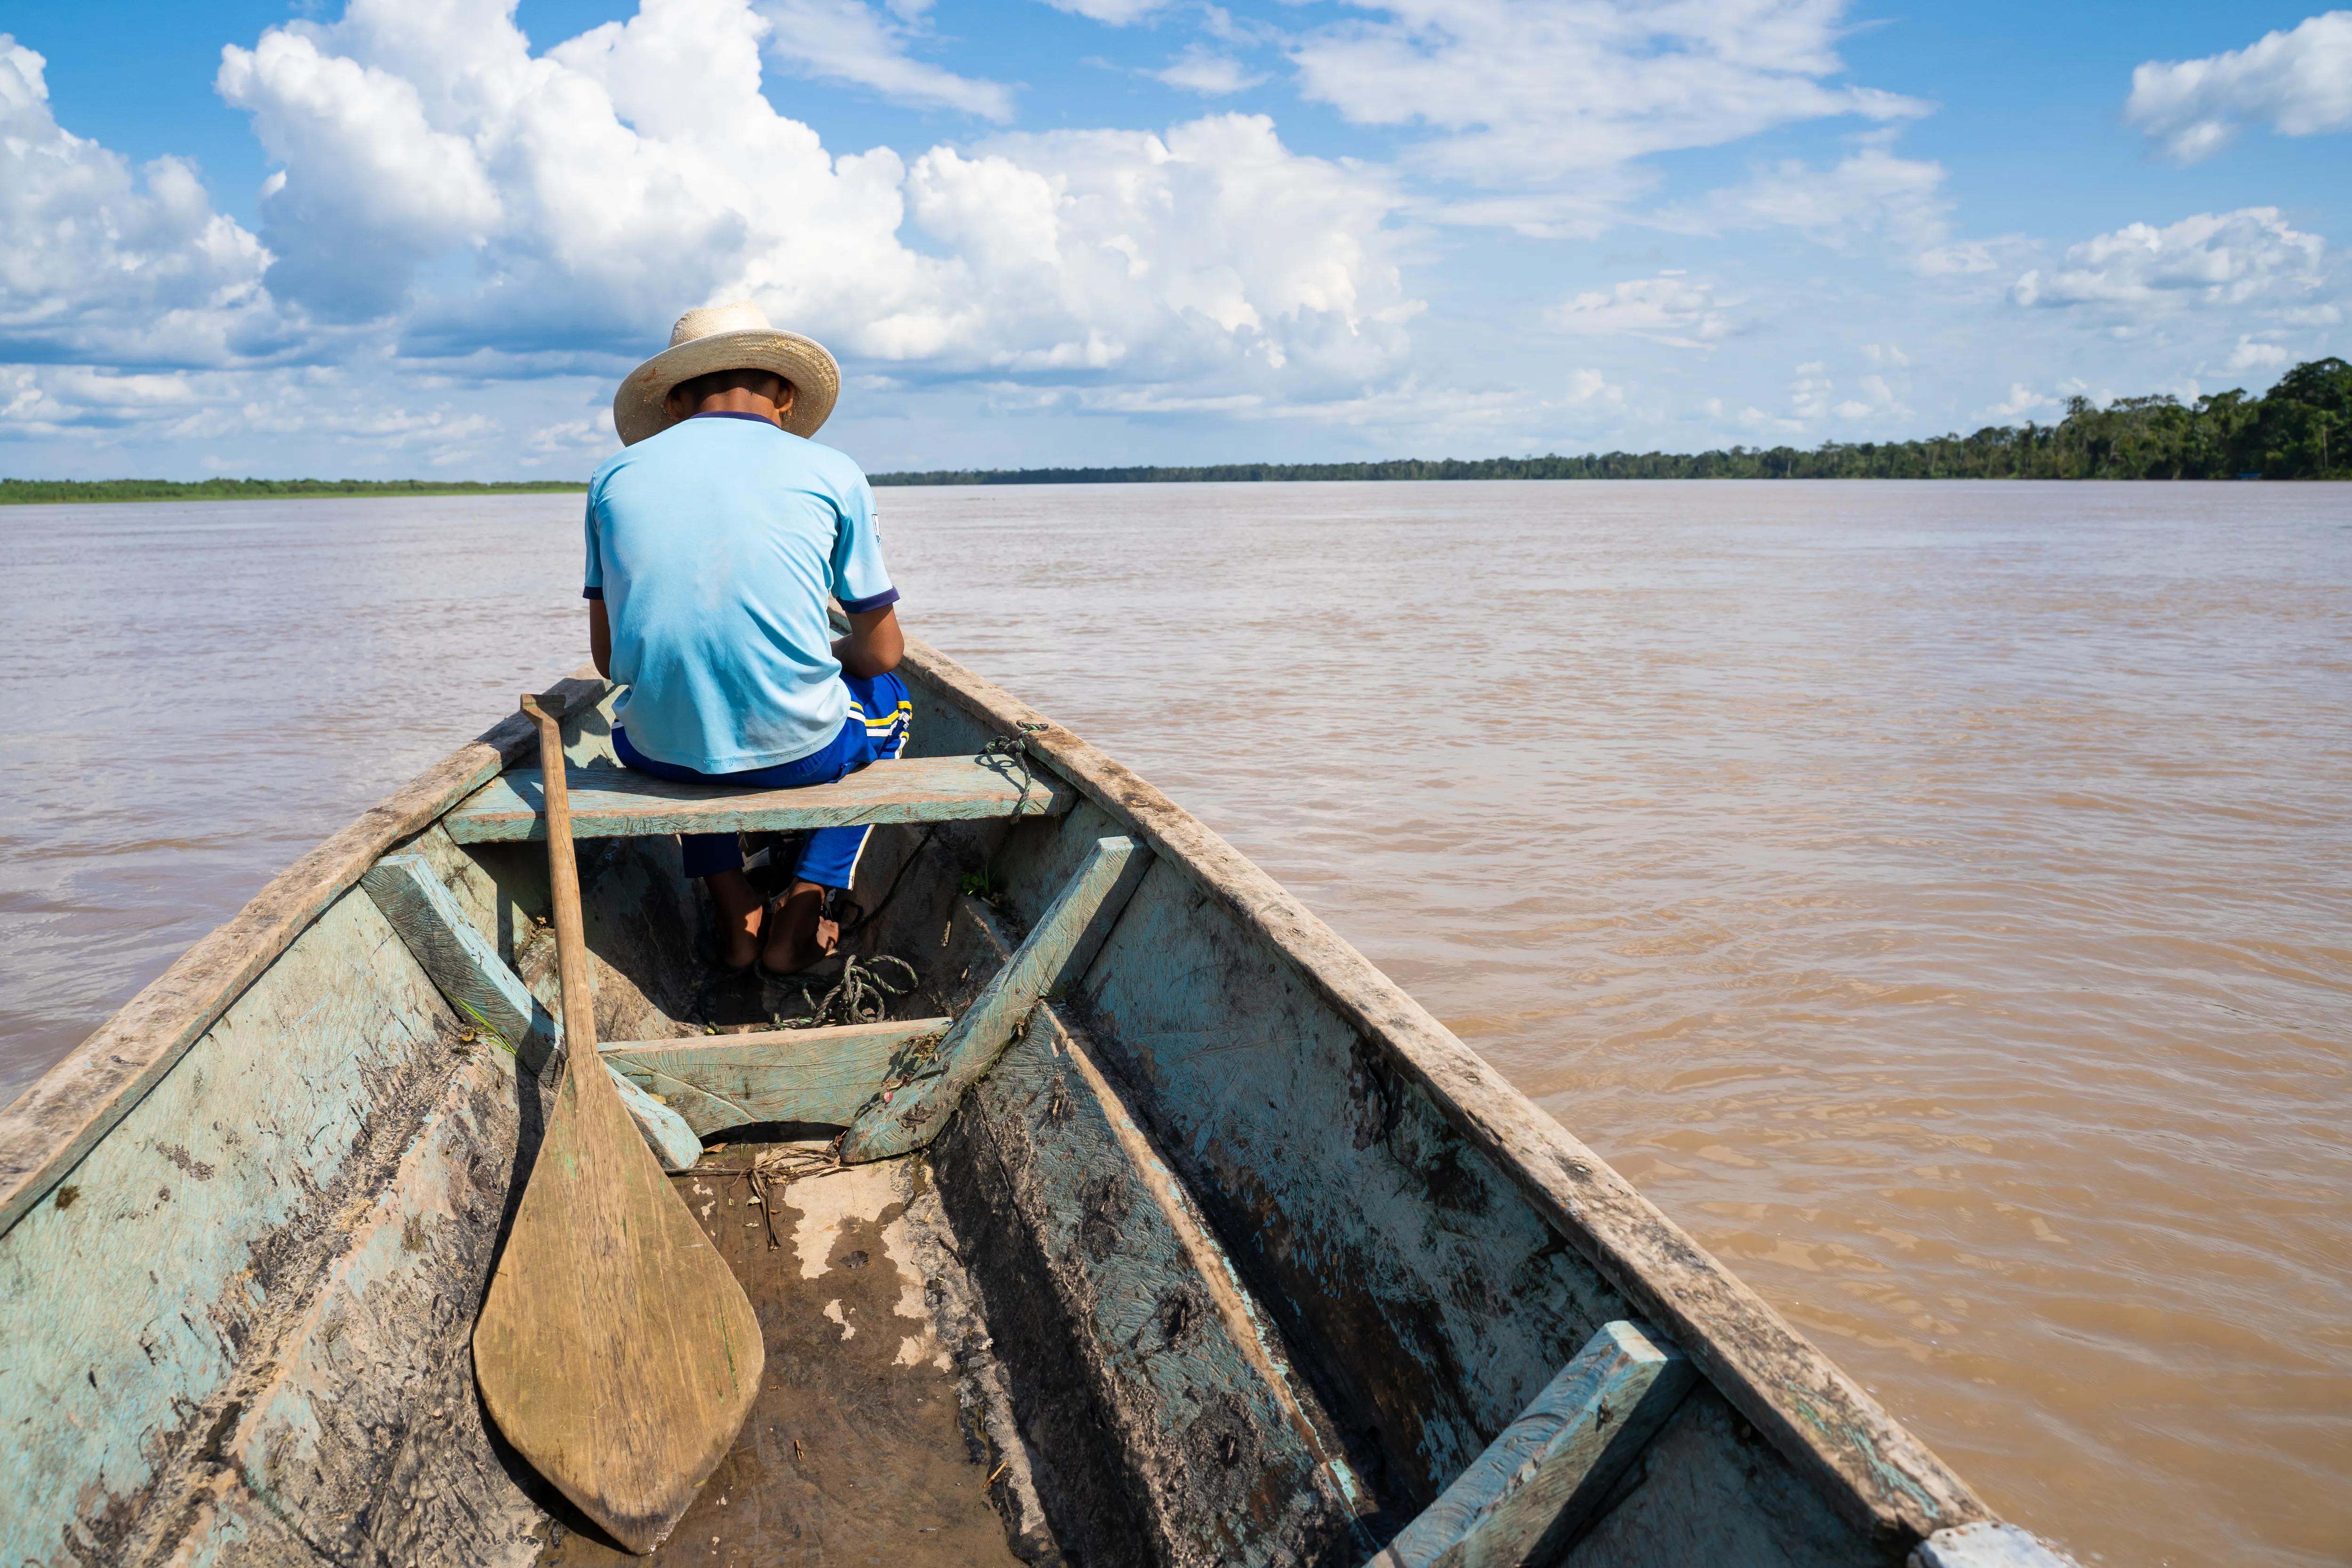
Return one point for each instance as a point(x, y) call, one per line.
point(615, 802)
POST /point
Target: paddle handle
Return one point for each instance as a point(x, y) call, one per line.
point(564, 890)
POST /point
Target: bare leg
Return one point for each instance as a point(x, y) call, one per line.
point(739, 906)
point(798, 937)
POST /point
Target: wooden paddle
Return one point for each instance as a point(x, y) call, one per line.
point(616, 1351)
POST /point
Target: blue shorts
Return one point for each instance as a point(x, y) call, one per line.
point(879, 712)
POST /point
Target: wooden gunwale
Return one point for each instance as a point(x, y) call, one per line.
point(1873, 1471)
point(46, 1130)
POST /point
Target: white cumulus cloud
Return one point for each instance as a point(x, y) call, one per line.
point(2299, 81)
point(1587, 387)
point(446, 203)
point(98, 259)
point(1210, 242)
point(848, 41)
point(2022, 399)
point(2251, 354)
point(1670, 308)
point(2232, 259)
point(594, 191)
point(1543, 95)
point(1112, 13)
point(1877, 398)
point(1872, 192)
point(1206, 72)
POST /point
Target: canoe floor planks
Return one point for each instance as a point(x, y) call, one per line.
point(614, 803)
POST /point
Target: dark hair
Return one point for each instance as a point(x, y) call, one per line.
point(718, 381)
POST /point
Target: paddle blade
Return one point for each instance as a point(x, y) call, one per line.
point(616, 1351)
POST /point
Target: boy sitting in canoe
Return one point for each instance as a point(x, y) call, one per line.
point(715, 538)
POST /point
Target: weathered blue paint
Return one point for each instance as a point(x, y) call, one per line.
point(359, 1438)
point(616, 803)
point(1444, 1304)
point(1520, 1502)
point(1057, 952)
point(817, 1076)
point(157, 1267)
point(1227, 1454)
point(1393, 1250)
point(667, 1134)
point(452, 950)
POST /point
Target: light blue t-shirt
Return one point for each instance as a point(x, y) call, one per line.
point(714, 546)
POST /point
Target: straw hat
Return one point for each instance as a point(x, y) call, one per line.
point(727, 337)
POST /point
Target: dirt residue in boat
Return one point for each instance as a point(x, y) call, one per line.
point(858, 1449)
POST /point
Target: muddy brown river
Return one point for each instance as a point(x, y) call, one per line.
point(1938, 898)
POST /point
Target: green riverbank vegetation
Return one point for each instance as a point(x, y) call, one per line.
point(2300, 429)
point(33, 492)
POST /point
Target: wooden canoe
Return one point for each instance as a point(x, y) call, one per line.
point(1178, 1234)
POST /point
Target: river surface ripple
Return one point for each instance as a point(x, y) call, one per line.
point(1938, 898)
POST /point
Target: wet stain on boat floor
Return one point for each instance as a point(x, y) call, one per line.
point(856, 1450)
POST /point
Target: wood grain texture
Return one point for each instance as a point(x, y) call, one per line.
point(350, 1434)
point(1071, 1217)
point(468, 972)
point(1522, 1501)
point(617, 1351)
point(668, 1136)
point(56, 1121)
point(1054, 954)
point(169, 1271)
point(613, 803)
point(1878, 1475)
point(460, 960)
point(815, 1076)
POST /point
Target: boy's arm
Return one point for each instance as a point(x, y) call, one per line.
point(873, 646)
point(599, 638)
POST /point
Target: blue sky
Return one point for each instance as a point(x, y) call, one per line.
point(427, 237)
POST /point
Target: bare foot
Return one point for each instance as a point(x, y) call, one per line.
point(740, 912)
point(799, 936)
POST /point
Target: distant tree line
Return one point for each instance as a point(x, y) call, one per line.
point(2301, 430)
point(24, 492)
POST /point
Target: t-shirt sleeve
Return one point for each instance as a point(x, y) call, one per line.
point(592, 577)
point(860, 581)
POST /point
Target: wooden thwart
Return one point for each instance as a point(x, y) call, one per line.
point(1520, 1502)
point(1059, 947)
point(614, 803)
point(718, 1081)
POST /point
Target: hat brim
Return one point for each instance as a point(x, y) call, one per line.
point(641, 408)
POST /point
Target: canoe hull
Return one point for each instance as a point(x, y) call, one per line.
point(1268, 1258)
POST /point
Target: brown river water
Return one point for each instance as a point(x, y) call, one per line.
point(1938, 897)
